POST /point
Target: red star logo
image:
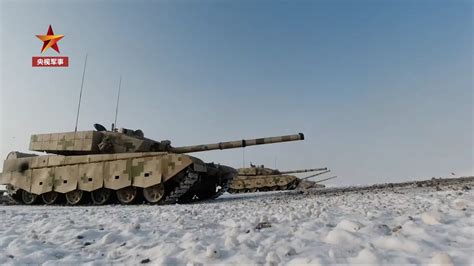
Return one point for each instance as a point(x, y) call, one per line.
point(50, 40)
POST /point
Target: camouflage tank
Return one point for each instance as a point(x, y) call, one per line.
point(259, 178)
point(119, 165)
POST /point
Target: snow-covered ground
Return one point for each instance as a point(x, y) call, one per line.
point(400, 226)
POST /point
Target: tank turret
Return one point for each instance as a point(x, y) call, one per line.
point(129, 141)
point(254, 170)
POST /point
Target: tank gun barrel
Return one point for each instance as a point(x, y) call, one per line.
point(320, 173)
point(236, 144)
point(304, 170)
point(326, 179)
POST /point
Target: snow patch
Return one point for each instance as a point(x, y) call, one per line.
point(348, 225)
point(409, 226)
point(213, 252)
point(397, 243)
point(442, 258)
point(340, 237)
point(431, 218)
point(365, 256)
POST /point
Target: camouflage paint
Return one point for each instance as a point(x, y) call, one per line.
point(90, 160)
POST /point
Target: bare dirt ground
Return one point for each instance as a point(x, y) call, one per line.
point(437, 184)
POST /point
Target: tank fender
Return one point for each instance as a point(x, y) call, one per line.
point(16, 170)
point(21, 180)
point(198, 165)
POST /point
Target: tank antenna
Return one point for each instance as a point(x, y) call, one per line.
point(117, 105)
point(80, 94)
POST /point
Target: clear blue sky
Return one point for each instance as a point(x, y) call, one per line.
point(383, 90)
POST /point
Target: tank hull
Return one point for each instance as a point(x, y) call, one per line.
point(159, 177)
point(259, 178)
point(245, 184)
point(262, 183)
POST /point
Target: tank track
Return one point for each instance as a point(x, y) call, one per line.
point(189, 179)
point(184, 186)
point(224, 186)
point(13, 194)
point(204, 190)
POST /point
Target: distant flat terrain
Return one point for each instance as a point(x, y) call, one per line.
point(414, 222)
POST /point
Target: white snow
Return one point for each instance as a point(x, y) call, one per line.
point(431, 218)
point(442, 258)
point(380, 227)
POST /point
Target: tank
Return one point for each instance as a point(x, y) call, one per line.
point(120, 165)
point(259, 179)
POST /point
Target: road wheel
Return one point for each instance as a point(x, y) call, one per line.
point(273, 188)
point(127, 195)
point(101, 196)
point(28, 198)
point(50, 197)
point(154, 193)
point(74, 197)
